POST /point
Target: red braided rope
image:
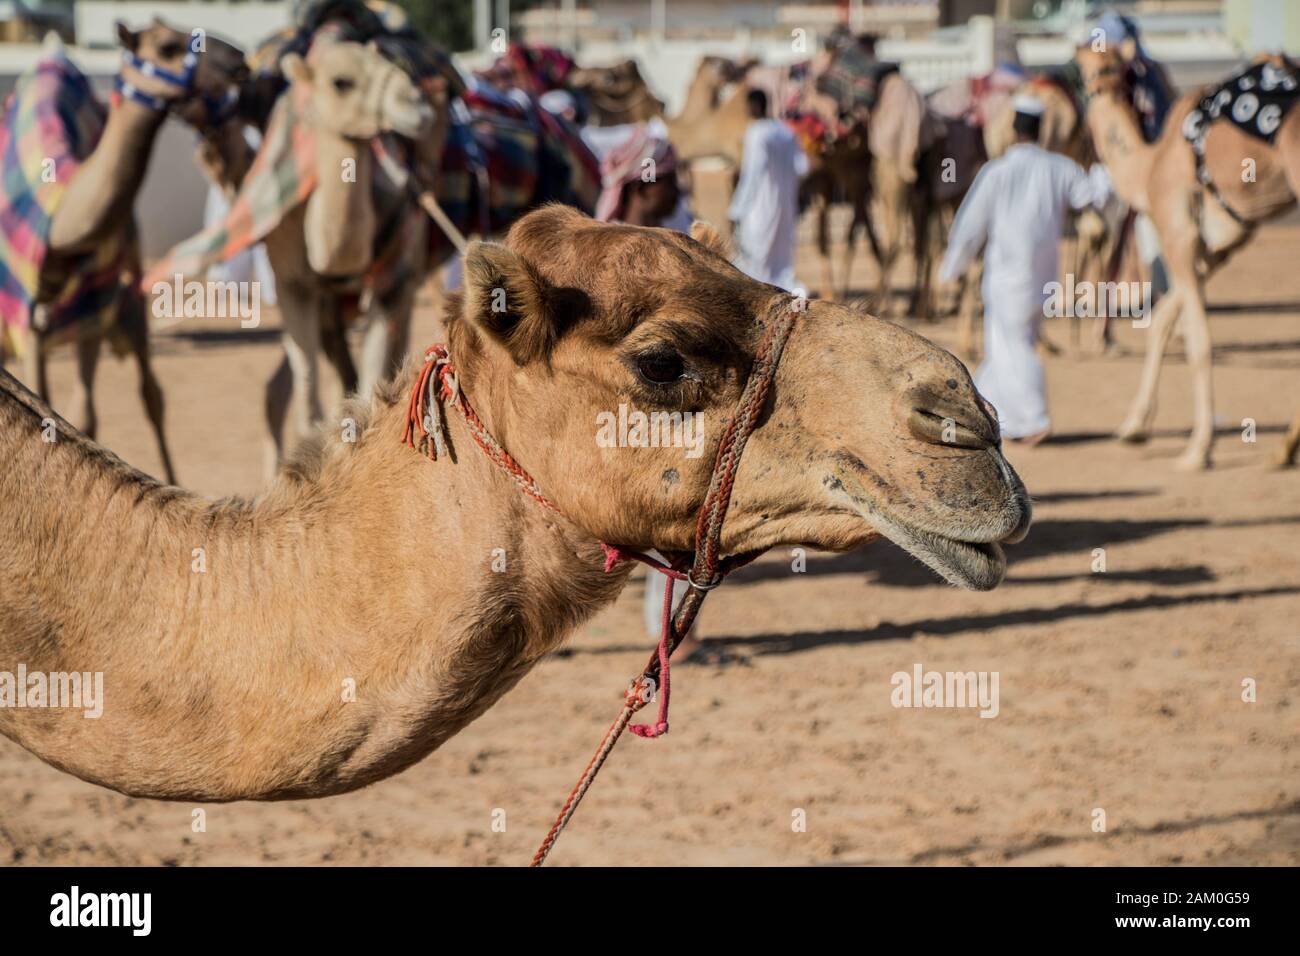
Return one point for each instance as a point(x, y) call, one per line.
point(438, 367)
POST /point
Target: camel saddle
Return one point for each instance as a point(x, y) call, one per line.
point(1255, 100)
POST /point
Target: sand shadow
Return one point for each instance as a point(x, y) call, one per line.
point(795, 643)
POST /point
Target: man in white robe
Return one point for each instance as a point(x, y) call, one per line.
point(1015, 210)
point(765, 207)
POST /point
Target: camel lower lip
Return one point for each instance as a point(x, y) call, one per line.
point(979, 566)
point(975, 565)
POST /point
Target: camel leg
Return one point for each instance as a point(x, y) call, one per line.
point(387, 337)
point(1286, 454)
point(1082, 270)
point(1138, 421)
point(921, 230)
point(276, 406)
point(82, 403)
point(299, 306)
point(850, 241)
point(334, 342)
point(824, 247)
point(137, 336)
point(35, 372)
point(893, 195)
point(1196, 336)
point(966, 315)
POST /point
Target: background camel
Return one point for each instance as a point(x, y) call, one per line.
point(353, 94)
point(714, 117)
point(381, 113)
point(348, 622)
point(93, 219)
point(346, 227)
point(1197, 230)
point(615, 95)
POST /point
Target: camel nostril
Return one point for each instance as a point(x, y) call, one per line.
point(942, 427)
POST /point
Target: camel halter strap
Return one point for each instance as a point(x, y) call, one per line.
point(437, 385)
point(182, 81)
point(219, 108)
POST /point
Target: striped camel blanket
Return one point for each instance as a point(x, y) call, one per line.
point(282, 176)
point(503, 156)
point(52, 122)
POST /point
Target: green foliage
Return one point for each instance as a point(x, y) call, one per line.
point(451, 22)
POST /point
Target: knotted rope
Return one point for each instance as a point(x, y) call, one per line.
point(437, 384)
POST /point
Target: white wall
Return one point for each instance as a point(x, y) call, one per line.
point(244, 24)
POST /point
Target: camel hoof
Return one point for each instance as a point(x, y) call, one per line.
point(1132, 434)
point(1193, 461)
point(1282, 460)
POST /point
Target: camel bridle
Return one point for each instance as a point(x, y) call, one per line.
point(219, 109)
point(703, 570)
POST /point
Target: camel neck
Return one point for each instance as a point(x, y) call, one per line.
point(104, 188)
point(331, 633)
point(1120, 146)
point(340, 223)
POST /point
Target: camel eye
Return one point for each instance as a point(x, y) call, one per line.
point(344, 84)
point(660, 368)
point(171, 51)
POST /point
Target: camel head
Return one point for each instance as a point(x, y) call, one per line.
point(200, 76)
point(616, 89)
point(608, 358)
point(1101, 72)
point(356, 93)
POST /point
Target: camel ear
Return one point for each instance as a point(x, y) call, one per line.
point(710, 238)
point(508, 300)
point(295, 68)
point(125, 37)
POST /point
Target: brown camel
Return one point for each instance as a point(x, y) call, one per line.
point(373, 602)
point(905, 166)
point(841, 170)
point(1198, 230)
point(97, 206)
point(713, 120)
point(324, 247)
point(616, 94)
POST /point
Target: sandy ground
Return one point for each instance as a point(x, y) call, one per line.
point(1120, 691)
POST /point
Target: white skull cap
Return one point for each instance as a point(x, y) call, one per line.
point(1029, 105)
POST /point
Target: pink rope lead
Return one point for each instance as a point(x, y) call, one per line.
point(613, 555)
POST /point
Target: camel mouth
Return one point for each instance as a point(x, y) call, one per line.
point(974, 561)
point(411, 120)
point(975, 565)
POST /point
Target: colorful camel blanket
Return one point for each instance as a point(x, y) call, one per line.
point(500, 160)
point(533, 67)
point(282, 176)
point(1256, 101)
point(504, 154)
point(52, 122)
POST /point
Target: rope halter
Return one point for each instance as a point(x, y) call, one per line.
point(437, 385)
